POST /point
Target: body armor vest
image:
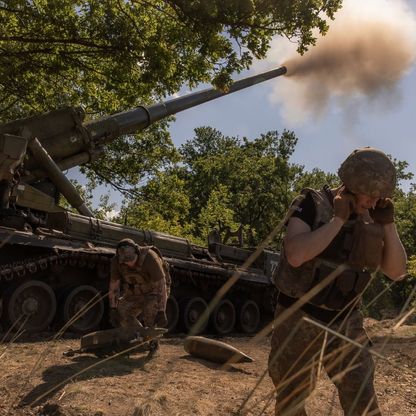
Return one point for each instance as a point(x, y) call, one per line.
point(359, 245)
point(134, 275)
point(134, 278)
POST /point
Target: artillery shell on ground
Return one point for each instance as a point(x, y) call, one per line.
point(213, 350)
point(113, 341)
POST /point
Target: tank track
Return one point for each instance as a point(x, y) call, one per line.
point(182, 276)
point(30, 266)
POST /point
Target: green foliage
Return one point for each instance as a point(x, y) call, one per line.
point(111, 54)
point(386, 299)
point(409, 290)
point(405, 215)
point(257, 175)
point(316, 179)
point(380, 300)
point(161, 205)
point(145, 216)
point(217, 212)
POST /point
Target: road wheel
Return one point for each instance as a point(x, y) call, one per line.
point(172, 313)
point(76, 303)
point(192, 311)
point(32, 303)
point(249, 317)
point(223, 317)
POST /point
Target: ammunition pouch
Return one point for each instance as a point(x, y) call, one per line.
point(343, 290)
point(367, 246)
point(131, 289)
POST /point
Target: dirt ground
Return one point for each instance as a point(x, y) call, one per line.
point(36, 379)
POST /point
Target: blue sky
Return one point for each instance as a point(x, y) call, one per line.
point(387, 123)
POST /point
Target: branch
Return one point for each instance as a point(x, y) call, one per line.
point(80, 41)
point(4, 109)
point(159, 9)
point(124, 191)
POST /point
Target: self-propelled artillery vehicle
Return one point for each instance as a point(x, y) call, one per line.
point(54, 264)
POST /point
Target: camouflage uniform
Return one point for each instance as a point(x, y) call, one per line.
point(351, 368)
point(299, 348)
point(294, 367)
point(144, 289)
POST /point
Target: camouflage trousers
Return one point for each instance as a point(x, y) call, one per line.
point(130, 306)
point(300, 350)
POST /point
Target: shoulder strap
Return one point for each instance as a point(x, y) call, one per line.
point(144, 250)
point(165, 264)
point(323, 205)
point(143, 253)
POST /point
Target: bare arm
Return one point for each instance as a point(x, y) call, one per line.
point(394, 255)
point(301, 244)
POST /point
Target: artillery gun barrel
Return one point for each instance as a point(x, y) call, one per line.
point(71, 142)
point(137, 119)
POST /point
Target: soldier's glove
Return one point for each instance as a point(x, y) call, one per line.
point(114, 317)
point(161, 321)
point(383, 213)
point(344, 204)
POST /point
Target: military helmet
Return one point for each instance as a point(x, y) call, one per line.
point(370, 172)
point(127, 250)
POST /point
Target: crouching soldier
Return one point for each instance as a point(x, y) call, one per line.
point(141, 276)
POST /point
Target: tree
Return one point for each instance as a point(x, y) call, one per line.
point(161, 205)
point(405, 215)
point(257, 175)
point(111, 54)
point(316, 179)
point(217, 213)
point(405, 208)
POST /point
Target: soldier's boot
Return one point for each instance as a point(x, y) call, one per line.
point(153, 348)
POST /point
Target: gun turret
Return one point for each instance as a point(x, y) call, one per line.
point(34, 151)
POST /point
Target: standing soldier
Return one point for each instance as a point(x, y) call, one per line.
point(352, 225)
point(141, 275)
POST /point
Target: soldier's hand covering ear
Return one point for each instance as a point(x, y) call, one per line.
point(344, 204)
point(161, 321)
point(383, 213)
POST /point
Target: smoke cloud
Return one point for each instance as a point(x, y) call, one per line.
point(369, 47)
